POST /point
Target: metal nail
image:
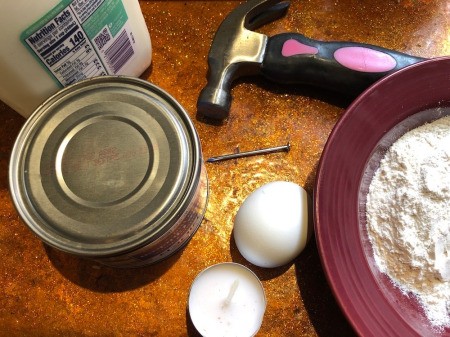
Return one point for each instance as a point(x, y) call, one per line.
point(283, 148)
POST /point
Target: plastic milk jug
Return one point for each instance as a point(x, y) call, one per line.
point(48, 44)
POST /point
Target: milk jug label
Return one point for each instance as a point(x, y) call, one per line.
point(80, 39)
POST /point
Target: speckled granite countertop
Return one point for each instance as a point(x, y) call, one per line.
point(48, 293)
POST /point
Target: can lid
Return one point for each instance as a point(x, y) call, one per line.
point(104, 166)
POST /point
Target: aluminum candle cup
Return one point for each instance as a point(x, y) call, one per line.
point(227, 299)
point(110, 169)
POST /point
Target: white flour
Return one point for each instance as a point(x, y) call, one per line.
point(408, 217)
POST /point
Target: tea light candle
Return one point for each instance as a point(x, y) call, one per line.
point(227, 299)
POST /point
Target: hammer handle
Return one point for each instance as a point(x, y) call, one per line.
point(345, 67)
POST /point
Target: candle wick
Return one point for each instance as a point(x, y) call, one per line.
point(232, 292)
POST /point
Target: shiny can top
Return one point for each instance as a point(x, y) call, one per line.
point(105, 166)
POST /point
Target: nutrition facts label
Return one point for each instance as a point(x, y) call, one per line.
point(82, 38)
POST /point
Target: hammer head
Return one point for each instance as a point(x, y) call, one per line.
point(236, 51)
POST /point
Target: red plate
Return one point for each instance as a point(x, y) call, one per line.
point(385, 111)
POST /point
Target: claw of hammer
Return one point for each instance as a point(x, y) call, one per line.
point(236, 51)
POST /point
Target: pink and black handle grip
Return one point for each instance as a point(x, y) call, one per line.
point(344, 67)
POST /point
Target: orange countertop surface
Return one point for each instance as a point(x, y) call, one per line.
point(49, 293)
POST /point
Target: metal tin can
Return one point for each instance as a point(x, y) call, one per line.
point(110, 169)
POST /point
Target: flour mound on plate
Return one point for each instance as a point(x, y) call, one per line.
point(408, 217)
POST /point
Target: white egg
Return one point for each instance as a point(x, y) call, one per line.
point(272, 225)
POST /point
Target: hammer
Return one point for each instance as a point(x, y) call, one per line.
point(288, 58)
